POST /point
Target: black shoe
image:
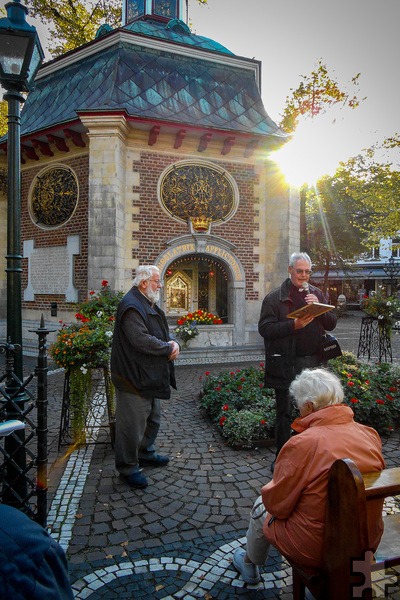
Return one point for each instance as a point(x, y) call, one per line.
point(135, 480)
point(154, 460)
point(272, 467)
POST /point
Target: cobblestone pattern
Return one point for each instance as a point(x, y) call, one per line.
point(175, 538)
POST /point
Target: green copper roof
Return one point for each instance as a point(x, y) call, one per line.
point(150, 83)
point(175, 31)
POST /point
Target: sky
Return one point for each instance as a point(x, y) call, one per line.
point(289, 37)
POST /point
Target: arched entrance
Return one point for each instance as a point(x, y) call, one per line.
point(190, 260)
point(196, 281)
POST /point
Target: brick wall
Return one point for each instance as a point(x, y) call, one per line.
point(157, 227)
point(77, 225)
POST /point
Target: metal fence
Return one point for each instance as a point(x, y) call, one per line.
point(23, 451)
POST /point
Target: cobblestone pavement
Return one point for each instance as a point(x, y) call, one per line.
point(175, 538)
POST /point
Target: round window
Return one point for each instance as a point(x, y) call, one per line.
point(54, 197)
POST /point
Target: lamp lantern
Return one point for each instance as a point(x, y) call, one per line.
point(21, 53)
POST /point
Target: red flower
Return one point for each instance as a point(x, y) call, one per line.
point(262, 365)
point(367, 382)
point(261, 385)
point(239, 387)
point(262, 422)
point(225, 407)
point(218, 389)
point(350, 383)
point(92, 292)
point(207, 372)
point(389, 397)
point(243, 379)
point(180, 321)
point(380, 402)
point(349, 375)
point(354, 400)
point(104, 283)
point(222, 421)
point(392, 389)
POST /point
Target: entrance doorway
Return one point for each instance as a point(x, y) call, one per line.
point(196, 282)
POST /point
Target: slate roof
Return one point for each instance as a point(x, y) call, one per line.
point(151, 83)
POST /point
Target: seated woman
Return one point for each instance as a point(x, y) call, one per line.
point(296, 497)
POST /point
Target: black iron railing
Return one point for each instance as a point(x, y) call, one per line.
point(24, 453)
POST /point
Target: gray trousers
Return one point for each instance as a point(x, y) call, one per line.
point(257, 546)
point(137, 421)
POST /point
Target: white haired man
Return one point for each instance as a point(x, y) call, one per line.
point(142, 371)
point(296, 497)
point(291, 345)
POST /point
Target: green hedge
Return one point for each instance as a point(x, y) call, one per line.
point(244, 411)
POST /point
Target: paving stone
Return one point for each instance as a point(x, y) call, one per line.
point(151, 543)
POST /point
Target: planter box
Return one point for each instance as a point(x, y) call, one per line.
point(213, 336)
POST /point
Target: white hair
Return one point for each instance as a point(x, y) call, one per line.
point(318, 386)
point(143, 273)
point(299, 256)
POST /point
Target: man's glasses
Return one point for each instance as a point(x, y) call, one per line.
point(305, 271)
point(157, 281)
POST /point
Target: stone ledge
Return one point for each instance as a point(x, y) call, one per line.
point(216, 355)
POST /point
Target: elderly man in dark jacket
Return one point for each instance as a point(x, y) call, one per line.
point(291, 345)
point(142, 371)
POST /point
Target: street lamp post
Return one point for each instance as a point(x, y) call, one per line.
point(21, 55)
point(392, 270)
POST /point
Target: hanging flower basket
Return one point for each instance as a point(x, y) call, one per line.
point(83, 346)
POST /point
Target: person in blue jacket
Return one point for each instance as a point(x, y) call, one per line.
point(33, 566)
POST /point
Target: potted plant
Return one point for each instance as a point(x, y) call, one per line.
point(383, 308)
point(82, 346)
point(187, 325)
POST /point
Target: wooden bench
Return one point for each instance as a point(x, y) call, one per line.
point(347, 558)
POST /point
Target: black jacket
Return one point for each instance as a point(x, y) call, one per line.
point(141, 365)
point(280, 336)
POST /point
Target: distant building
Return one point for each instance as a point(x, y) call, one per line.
point(152, 145)
point(380, 267)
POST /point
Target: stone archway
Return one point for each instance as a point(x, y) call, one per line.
point(221, 252)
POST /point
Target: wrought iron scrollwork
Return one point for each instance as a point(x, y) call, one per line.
point(374, 340)
point(54, 197)
point(197, 192)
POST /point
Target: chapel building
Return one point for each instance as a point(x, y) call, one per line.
point(151, 145)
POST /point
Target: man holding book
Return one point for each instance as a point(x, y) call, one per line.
point(292, 342)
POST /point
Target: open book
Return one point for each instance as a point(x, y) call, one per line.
point(314, 309)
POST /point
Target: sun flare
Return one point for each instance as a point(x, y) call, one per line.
point(316, 148)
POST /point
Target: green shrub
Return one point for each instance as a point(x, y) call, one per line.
point(244, 411)
point(240, 406)
point(372, 391)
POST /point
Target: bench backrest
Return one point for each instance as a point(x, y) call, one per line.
point(346, 523)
